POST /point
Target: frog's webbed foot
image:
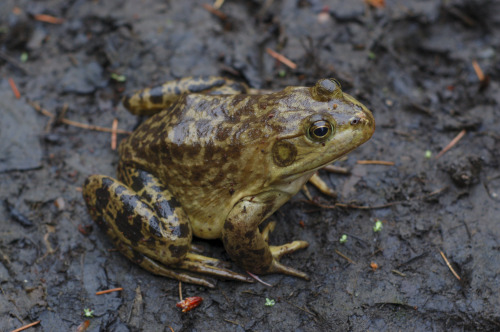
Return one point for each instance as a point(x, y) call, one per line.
point(319, 183)
point(182, 271)
point(248, 246)
point(211, 266)
point(154, 267)
point(278, 251)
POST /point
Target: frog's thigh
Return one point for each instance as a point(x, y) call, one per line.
point(152, 100)
point(150, 226)
point(129, 219)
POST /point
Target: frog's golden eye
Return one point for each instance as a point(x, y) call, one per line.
point(320, 130)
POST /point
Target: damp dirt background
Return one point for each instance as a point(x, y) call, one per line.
point(410, 63)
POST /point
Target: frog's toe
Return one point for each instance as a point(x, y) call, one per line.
point(277, 267)
point(279, 251)
point(159, 269)
point(322, 186)
point(206, 265)
point(194, 256)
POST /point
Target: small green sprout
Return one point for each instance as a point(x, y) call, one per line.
point(372, 56)
point(343, 239)
point(24, 57)
point(282, 73)
point(118, 77)
point(269, 302)
point(88, 313)
point(428, 154)
point(378, 226)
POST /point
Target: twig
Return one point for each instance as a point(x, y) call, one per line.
point(259, 279)
point(344, 257)
point(22, 328)
point(449, 265)
point(215, 11)
point(478, 70)
point(180, 291)
point(48, 19)
point(109, 291)
point(465, 18)
point(281, 58)
point(114, 127)
point(373, 207)
point(452, 143)
point(232, 322)
point(375, 162)
point(484, 80)
point(14, 88)
point(401, 274)
point(77, 124)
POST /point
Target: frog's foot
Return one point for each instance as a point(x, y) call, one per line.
point(191, 263)
point(211, 266)
point(322, 186)
point(279, 251)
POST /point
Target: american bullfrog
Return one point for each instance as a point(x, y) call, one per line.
point(215, 160)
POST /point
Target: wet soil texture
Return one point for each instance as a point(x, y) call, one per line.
point(415, 64)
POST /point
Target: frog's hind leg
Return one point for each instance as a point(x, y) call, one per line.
point(148, 226)
point(152, 100)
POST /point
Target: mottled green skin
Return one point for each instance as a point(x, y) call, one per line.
point(216, 163)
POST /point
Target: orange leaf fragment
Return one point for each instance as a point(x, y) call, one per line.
point(376, 3)
point(281, 58)
point(189, 303)
point(114, 128)
point(109, 291)
point(48, 19)
point(14, 88)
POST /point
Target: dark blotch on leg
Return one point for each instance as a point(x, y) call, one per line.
point(156, 95)
point(178, 251)
point(181, 231)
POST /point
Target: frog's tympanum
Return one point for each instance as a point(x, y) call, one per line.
point(215, 160)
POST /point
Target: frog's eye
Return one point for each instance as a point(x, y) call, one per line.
point(320, 130)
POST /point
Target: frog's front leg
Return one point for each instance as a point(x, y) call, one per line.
point(248, 247)
point(148, 226)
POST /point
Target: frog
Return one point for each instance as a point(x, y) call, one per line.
point(214, 160)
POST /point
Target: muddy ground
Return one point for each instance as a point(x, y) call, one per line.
point(411, 63)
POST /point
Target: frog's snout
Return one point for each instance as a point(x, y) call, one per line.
point(363, 119)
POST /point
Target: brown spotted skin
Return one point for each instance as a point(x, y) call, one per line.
point(215, 161)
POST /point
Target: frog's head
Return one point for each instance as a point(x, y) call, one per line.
point(322, 124)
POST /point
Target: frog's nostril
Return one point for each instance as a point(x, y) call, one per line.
point(355, 121)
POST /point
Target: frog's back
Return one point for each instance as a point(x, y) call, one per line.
point(205, 149)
